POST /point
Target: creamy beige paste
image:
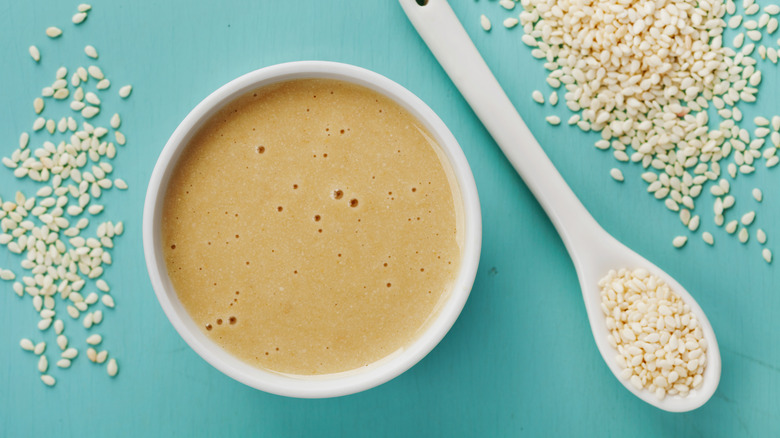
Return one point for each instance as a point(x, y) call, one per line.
point(312, 227)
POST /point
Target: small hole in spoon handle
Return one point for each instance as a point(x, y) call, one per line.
point(422, 2)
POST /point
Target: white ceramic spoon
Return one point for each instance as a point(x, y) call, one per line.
point(592, 249)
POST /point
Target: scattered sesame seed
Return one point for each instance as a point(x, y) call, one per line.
point(125, 91)
point(538, 97)
point(767, 254)
point(743, 235)
point(758, 195)
point(112, 367)
point(553, 99)
point(48, 380)
point(748, 218)
point(707, 238)
point(79, 17)
point(53, 32)
point(511, 22)
point(483, 21)
point(679, 241)
point(553, 120)
point(35, 53)
point(91, 52)
point(616, 174)
point(761, 236)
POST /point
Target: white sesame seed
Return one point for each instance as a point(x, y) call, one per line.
point(767, 254)
point(693, 225)
point(707, 238)
point(510, 22)
point(91, 354)
point(70, 353)
point(679, 241)
point(48, 380)
point(553, 120)
point(125, 91)
point(26, 344)
point(743, 235)
point(43, 364)
point(40, 347)
point(64, 363)
point(90, 112)
point(91, 52)
point(748, 218)
point(553, 99)
point(35, 53)
point(483, 21)
point(79, 17)
point(616, 174)
point(103, 84)
point(84, 7)
point(108, 301)
point(53, 32)
point(94, 339)
point(95, 72)
point(761, 236)
point(537, 96)
point(115, 121)
point(120, 184)
point(758, 195)
point(112, 367)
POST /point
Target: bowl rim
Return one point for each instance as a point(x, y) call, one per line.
point(328, 385)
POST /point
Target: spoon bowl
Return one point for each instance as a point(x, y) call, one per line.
point(592, 263)
point(593, 251)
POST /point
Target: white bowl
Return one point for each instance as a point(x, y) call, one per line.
point(328, 385)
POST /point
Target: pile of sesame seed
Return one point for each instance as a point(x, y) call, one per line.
point(72, 167)
point(659, 342)
point(644, 74)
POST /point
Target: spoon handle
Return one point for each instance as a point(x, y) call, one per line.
point(439, 27)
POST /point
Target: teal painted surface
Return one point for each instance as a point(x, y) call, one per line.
point(519, 361)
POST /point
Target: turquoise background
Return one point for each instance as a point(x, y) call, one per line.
point(520, 360)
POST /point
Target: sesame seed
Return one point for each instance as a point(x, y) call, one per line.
point(743, 235)
point(679, 241)
point(767, 254)
point(91, 52)
point(26, 344)
point(693, 225)
point(758, 195)
point(511, 22)
point(748, 218)
point(112, 367)
point(483, 21)
point(48, 380)
point(553, 120)
point(53, 32)
point(125, 91)
point(35, 53)
point(616, 174)
point(538, 97)
point(707, 238)
point(761, 236)
point(43, 364)
point(553, 99)
point(94, 339)
point(79, 17)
